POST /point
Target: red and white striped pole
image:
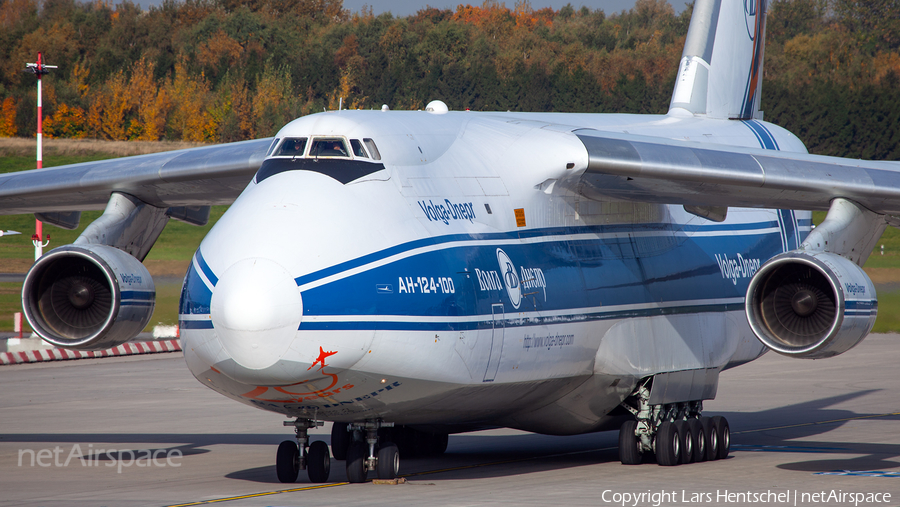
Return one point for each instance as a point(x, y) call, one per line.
point(39, 69)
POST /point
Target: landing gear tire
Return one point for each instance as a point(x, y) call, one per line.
point(723, 432)
point(687, 442)
point(388, 464)
point(318, 462)
point(668, 444)
point(699, 437)
point(357, 453)
point(712, 439)
point(287, 461)
point(340, 441)
point(629, 453)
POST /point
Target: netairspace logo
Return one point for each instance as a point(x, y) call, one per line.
point(141, 458)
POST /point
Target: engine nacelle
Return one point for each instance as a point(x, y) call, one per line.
point(88, 297)
point(811, 305)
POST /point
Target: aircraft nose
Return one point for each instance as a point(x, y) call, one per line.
point(256, 310)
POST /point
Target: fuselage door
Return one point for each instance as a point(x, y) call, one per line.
point(496, 342)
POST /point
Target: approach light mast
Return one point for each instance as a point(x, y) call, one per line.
point(39, 69)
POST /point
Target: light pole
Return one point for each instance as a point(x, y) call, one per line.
point(39, 69)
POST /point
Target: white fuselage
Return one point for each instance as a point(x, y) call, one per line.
point(463, 280)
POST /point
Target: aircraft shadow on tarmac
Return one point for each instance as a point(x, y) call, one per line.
point(482, 456)
point(785, 429)
point(793, 425)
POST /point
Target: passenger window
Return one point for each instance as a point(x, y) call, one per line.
point(328, 147)
point(292, 147)
point(358, 150)
point(370, 144)
point(272, 147)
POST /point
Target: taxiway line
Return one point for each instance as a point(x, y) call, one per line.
point(256, 495)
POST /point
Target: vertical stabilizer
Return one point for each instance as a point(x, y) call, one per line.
point(720, 74)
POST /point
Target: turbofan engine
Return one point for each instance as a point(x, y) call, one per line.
point(88, 297)
point(811, 305)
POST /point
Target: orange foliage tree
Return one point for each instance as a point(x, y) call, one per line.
point(190, 94)
point(66, 121)
point(149, 102)
point(8, 117)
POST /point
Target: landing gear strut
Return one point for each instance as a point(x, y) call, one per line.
point(368, 452)
point(295, 456)
point(675, 432)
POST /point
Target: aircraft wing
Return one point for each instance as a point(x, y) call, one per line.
point(192, 177)
point(649, 169)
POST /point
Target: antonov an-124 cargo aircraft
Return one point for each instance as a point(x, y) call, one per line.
point(411, 274)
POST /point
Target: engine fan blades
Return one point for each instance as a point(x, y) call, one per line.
point(77, 305)
point(798, 305)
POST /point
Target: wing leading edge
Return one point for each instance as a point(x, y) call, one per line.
point(192, 177)
point(648, 169)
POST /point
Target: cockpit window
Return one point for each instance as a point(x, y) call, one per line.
point(328, 147)
point(272, 147)
point(292, 147)
point(358, 150)
point(370, 144)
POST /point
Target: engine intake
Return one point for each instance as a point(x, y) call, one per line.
point(88, 297)
point(811, 305)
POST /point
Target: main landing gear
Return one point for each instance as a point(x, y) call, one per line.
point(675, 432)
point(366, 452)
point(377, 446)
point(293, 457)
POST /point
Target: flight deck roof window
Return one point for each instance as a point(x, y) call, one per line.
point(328, 147)
point(292, 147)
point(358, 150)
point(370, 144)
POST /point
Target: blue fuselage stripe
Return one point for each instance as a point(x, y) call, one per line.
point(765, 138)
point(213, 279)
point(543, 277)
point(562, 232)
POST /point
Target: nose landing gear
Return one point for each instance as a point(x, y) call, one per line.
point(293, 457)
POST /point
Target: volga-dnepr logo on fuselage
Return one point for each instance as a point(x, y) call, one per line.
point(447, 211)
point(514, 281)
point(510, 277)
point(737, 267)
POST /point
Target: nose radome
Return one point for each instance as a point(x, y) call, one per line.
point(256, 310)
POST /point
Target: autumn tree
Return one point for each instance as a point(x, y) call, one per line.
point(273, 102)
point(149, 102)
point(8, 117)
point(190, 119)
point(66, 121)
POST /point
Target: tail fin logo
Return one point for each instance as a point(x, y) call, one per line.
point(755, 9)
